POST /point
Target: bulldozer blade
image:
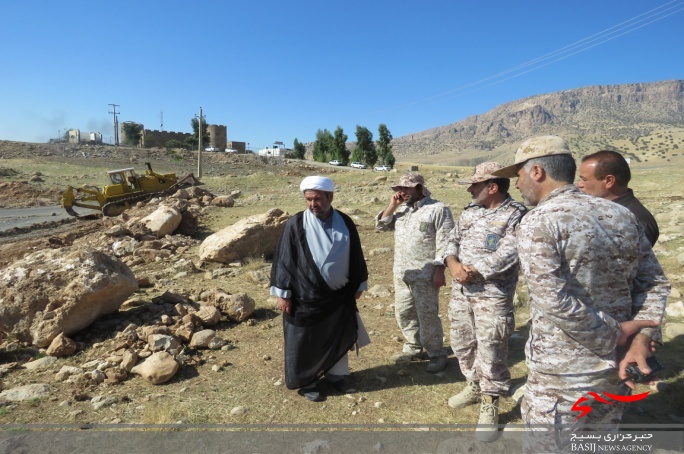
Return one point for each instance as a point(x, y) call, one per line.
point(188, 180)
point(71, 211)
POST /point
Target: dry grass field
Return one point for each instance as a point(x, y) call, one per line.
point(251, 373)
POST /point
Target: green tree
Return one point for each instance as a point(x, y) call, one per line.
point(339, 146)
point(357, 155)
point(195, 132)
point(322, 145)
point(365, 147)
point(190, 142)
point(299, 150)
point(173, 143)
point(384, 146)
point(132, 132)
point(390, 160)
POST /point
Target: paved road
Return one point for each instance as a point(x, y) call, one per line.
point(25, 217)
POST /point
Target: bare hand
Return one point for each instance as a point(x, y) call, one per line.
point(358, 294)
point(634, 347)
point(395, 201)
point(285, 305)
point(458, 272)
point(471, 273)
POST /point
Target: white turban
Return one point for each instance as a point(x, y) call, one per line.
point(316, 183)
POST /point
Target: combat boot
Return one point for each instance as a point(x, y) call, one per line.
point(489, 417)
point(468, 396)
point(437, 363)
point(404, 358)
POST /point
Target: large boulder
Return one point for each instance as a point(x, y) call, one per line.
point(254, 236)
point(164, 221)
point(224, 201)
point(158, 368)
point(51, 292)
point(237, 307)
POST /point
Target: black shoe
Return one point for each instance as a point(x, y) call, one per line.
point(314, 394)
point(342, 387)
point(437, 364)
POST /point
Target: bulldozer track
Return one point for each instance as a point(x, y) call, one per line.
point(114, 208)
point(111, 208)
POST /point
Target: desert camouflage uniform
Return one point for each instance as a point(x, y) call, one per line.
point(551, 411)
point(419, 241)
point(588, 267)
point(481, 311)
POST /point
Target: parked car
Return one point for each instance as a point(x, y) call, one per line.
point(231, 150)
point(212, 149)
point(335, 162)
point(358, 165)
point(382, 169)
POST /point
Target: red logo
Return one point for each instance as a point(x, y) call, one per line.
point(585, 410)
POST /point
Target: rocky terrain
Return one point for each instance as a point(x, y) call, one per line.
point(631, 118)
point(183, 335)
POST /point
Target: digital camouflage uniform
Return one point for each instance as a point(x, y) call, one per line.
point(481, 311)
point(419, 240)
point(588, 267)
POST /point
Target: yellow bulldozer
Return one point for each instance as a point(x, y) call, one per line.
point(126, 190)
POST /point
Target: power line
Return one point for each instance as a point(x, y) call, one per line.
point(630, 25)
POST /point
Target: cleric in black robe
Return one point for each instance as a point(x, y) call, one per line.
point(318, 273)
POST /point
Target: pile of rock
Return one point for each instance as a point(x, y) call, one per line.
point(53, 294)
point(157, 339)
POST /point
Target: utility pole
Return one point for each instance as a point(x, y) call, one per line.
point(161, 117)
point(116, 123)
point(199, 150)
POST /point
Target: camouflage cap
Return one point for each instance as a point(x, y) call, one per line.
point(483, 172)
point(411, 180)
point(535, 147)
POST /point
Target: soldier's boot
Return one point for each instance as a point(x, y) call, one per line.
point(468, 396)
point(404, 358)
point(489, 417)
point(437, 363)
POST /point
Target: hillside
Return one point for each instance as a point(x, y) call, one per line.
point(242, 385)
point(644, 120)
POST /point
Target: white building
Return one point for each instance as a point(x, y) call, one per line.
point(277, 149)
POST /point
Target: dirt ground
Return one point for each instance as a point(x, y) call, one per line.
point(249, 375)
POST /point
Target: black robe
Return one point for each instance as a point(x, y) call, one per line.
point(322, 326)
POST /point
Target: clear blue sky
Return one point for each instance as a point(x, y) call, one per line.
point(280, 70)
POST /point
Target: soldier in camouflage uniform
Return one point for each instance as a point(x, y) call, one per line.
point(596, 291)
point(482, 258)
point(421, 225)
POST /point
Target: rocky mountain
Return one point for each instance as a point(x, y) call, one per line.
point(632, 118)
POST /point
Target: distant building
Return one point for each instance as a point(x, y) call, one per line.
point(277, 149)
point(155, 138)
point(75, 136)
point(217, 136)
point(241, 147)
point(151, 138)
